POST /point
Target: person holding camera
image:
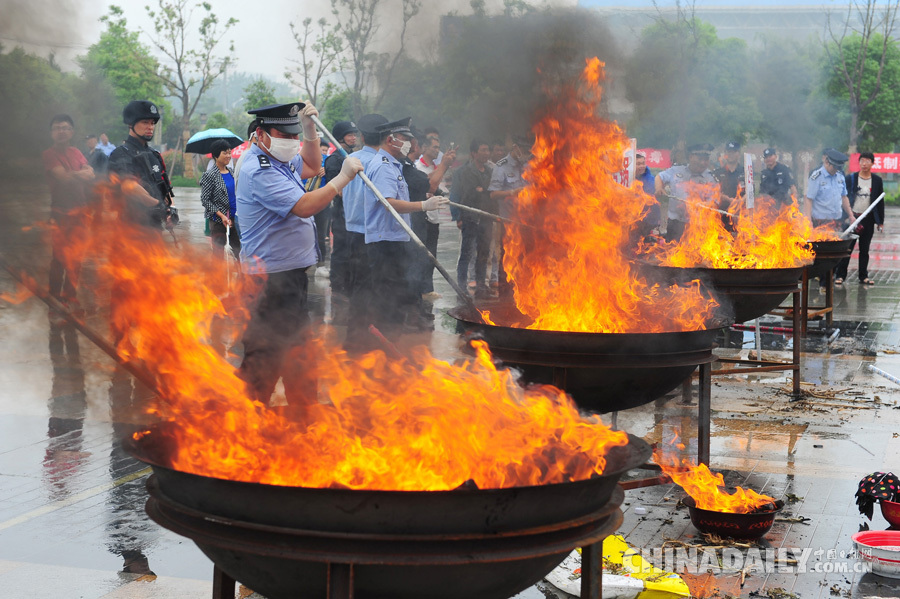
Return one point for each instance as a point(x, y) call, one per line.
point(135, 158)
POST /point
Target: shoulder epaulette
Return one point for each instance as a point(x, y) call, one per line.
point(502, 161)
point(385, 159)
point(264, 161)
point(815, 174)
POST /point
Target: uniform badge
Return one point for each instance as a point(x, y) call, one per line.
point(293, 170)
point(679, 175)
point(815, 175)
point(780, 181)
point(264, 161)
point(399, 177)
point(155, 168)
point(295, 109)
point(385, 159)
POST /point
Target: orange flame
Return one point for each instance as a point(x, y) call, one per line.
point(571, 267)
point(770, 235)
point(706, 487)
point(380, 423)
point(825, 232)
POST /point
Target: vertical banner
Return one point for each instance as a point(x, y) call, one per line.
point(748, 180)
point(625, 177)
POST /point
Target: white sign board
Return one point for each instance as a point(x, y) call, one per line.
point(625, 177)
point(748, 180)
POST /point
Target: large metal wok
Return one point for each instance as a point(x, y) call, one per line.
point(829, 254)
point(749, 292)
point(287, 542)
point(603, 372)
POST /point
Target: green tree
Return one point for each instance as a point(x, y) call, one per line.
point(320, 55)
point(687, 85)
point(867, 124)
point(338, 107)
point(118, 59)
point(861, 61)
point(195, 66)
point(217, 120)
point(258, 93)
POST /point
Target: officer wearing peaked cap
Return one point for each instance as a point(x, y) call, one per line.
point(278, 244)
point(826, 198)
point(346, 133)
point(135, 158)
point(678, 182)
point(731, 174)
point(776, 180)
point(387, 244)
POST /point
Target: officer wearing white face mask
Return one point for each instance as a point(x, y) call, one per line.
point(278, 241)
point(388, 250)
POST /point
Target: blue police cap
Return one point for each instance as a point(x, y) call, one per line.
point(284, 117)
point(836, 158)
point(700, 149)
point(342, 128)
point(769, 152)
point(394, 127)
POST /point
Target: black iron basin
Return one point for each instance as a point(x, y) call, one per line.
point(750, 292)
point(603, 372)
point(829, 254)
point(737, 526)
point(286, 542)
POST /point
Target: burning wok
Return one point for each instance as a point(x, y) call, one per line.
point(603, 372)
point(283, 541)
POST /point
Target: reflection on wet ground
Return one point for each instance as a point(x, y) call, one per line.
point(71, 501)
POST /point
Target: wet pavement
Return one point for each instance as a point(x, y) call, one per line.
point(71, 501)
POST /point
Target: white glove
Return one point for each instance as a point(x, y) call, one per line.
point(349, 169)
point(309, 127)
point(434, 203)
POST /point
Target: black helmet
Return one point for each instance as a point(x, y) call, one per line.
point(138, 110)
point(342, 128)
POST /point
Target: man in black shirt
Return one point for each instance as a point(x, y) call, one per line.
point(135, 158)
point(471, 185)
point(776, 179)
point(731, 174)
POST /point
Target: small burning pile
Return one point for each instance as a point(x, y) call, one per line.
point(380, 423)
point(571, 268)
point(769, 235)
point(826, 232)
point(707, 488)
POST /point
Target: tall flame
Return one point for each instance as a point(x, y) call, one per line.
point(770, 235)
point(380, 423)
point(571, 267)
point(707, 488)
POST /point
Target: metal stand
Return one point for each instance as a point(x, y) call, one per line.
point(818, 311)
point(704, 414)
point(760, 365)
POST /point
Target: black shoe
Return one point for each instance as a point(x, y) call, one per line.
point(483, 293)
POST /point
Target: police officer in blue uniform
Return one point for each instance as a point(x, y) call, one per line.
point(506, 181)
point(776, 180)
point(731, 174)
point(278, 237)
point(388, 246)
point(358, 278)
point(135, 158)
point(345, 132)
point(826, 200)
point(673, 184)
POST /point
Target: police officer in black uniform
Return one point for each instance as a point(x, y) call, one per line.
point(135, 158)
point(731, 174)
point(776, 180)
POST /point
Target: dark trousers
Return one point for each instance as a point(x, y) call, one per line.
point(218, 235)
point(64, 272)
point(273, 340)
point(391, 293)
point(340, 248)
point(504, 287)
point(422, 268)
point(476, 237)
point(865, 241)
point(359, 278)
point(323, 223)
point(674, 229)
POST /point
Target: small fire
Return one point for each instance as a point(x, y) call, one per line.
point(572, 268)
point(708, 488)
point(770, 235)
point(825, 232)
point(380, 423)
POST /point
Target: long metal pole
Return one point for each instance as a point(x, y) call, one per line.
point(459, 290)
point(861, 216)
point(108, 348)
point(490, 215)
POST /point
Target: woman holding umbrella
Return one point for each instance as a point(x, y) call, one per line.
point(218, 199)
